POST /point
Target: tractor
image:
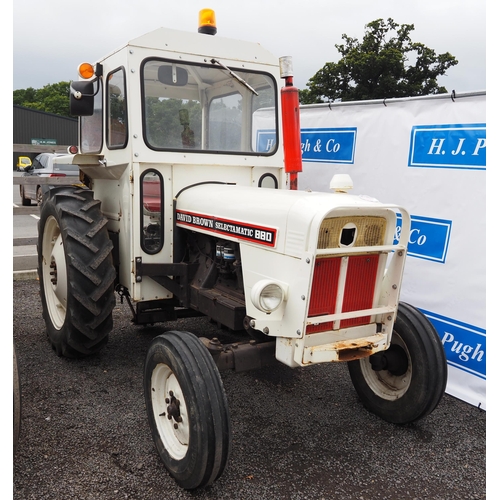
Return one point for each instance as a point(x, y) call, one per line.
point(188, 204)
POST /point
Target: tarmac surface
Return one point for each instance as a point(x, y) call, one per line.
point(297, 433)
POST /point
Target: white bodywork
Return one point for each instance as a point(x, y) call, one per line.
point(292, 219)
point(297, 216)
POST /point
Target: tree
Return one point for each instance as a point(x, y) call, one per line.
point(385, 64)
point(53, 98)
point(168, 118)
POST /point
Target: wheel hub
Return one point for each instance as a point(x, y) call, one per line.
point(170, 411)
point(173, 408)
point(53, 273)
point(394, 360)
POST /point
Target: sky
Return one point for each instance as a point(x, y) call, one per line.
point(51, 37)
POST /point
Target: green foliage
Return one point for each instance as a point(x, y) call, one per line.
point(53, 98)
point(385, 64)
point(168, 118)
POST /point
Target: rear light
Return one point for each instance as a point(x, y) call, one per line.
point(57, 175)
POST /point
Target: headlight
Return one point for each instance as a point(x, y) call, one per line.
point(267, 296)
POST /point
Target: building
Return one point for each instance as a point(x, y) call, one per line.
point(35, 132)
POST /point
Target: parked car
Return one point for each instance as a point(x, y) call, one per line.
point(22, 163)
point(43, 166)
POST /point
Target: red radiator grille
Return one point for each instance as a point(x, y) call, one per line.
point(358, 292)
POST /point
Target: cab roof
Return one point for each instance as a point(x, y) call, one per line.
point(183, 42)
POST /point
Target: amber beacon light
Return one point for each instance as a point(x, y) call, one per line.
point(86, 70)
point(206, 22)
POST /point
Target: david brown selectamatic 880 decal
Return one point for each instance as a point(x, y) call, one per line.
point(241, 230)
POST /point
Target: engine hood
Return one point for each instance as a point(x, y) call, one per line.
point(281, 220)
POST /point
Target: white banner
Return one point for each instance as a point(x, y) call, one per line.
point(429, 155)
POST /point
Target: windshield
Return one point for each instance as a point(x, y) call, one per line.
point(208, 108)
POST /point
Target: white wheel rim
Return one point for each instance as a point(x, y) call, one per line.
point(383, 383)
point(173, 434)
point(55, 283)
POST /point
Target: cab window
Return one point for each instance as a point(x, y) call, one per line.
point(207, 108)
point(91, 127)
point(117, 127)
point(152, 193)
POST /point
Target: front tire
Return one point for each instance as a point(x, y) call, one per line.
point(187, 409)
point(406, 382)
point(76, 272)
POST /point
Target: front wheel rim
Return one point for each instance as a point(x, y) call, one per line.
point(55, 283)
point(170, 411)
point(384, 383)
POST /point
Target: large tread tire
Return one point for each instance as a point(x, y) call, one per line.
point(17, 402)
point(76, 272)
point(416, 373)
point(187, 409)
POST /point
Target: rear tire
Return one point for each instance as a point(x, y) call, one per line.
point(406, 382)
point(76, 272)
point(187, 409)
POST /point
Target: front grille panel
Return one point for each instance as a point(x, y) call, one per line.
point(370, 231)
point(353, 278)
point(359, 289)
point(324, 291)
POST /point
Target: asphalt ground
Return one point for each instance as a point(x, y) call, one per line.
point(297, 433)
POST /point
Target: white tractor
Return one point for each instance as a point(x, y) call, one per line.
point(189, 153)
